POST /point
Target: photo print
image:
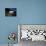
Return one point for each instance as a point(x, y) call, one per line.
point(10, 11)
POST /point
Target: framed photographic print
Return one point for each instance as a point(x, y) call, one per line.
point(10, 12)
point(32, 32)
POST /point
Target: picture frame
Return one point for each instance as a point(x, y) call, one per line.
point(11, 12)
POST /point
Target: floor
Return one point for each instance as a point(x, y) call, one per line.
point(30, 43)
point(7, 45)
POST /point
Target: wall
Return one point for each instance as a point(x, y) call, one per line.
point(28, 12)
point(33, 12)
point(7, 24)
